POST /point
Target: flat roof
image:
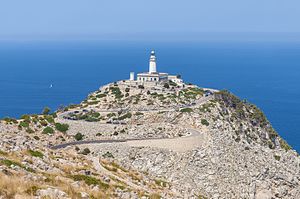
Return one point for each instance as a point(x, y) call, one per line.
point(152, 74)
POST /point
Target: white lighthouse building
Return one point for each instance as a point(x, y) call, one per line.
point(153, 76)
point(152, 62)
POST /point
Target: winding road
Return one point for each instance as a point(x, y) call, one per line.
point(193, 139)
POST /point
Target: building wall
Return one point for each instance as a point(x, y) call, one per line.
point(149, 78)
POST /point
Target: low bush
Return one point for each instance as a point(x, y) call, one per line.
point(86, 151)
point(78, 136)
point(49, 118)
point(48, 130)
point(43, 122)
point(61, 127)
point(204, 122)
point(29, 130)
point(89, 180)
point(125, 116)
point(24, 124)
point(10, 163)
point(36, 153)
point(186, 110)
point(277, 157)
point(139, 113)
point(101, 95)
point(36, 137)
point(108, 155)
point(166, 85)
point(10, 120)
point(46, 111)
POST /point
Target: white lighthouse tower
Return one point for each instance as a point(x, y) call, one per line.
point(152, 63)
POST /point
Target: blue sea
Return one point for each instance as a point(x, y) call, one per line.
point(266, 74)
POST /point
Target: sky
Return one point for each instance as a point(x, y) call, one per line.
point(156, 19)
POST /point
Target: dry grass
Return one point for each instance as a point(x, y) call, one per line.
point(135, 176)
point(10, 186)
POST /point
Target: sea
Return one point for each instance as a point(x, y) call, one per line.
point(36, 74)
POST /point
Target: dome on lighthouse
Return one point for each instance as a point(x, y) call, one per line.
point(152, 52)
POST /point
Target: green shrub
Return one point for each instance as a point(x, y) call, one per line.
point(122, 131)
point(46, 111)
point(109, 115)
point(95, 114)
point(204, 122)
point(10, 163)
point(284, 145)
point(61, 127)
point(160, 182)
point(29, 130)
point(3, 153)
point(49, 118)
point(43, 122)
point(101, 95)
point(172, 83)
point(26, 118)
point(116, 91)
point(166, 85)
point(54, 115)
point(186, 110)
point(277, 157)
point(139, 113)
point(92, 119)
point(108, 155)
point(86, 151)
point(24, 124)
point(89, 180)
point(10, 120)
point(78, 136)
point(125, 116)
point(48, 130)
point(36, 137)
point(36, 153)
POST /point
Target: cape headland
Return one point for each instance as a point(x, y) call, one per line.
point(153, 136)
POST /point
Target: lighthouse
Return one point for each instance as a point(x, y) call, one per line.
point(152, 63)
point(152, 76)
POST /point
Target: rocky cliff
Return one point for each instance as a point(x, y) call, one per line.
point(131, 141)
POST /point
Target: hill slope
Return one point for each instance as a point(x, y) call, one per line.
point(131, 141)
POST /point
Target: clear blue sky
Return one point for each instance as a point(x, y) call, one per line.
point(122, 19)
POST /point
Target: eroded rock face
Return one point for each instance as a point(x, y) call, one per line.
point(183, 145)
point(243, 157)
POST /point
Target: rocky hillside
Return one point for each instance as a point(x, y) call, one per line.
point(152, 141)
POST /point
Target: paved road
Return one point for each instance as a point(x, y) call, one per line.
point(193, 139)
point(178, 144)
point(196, 104)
